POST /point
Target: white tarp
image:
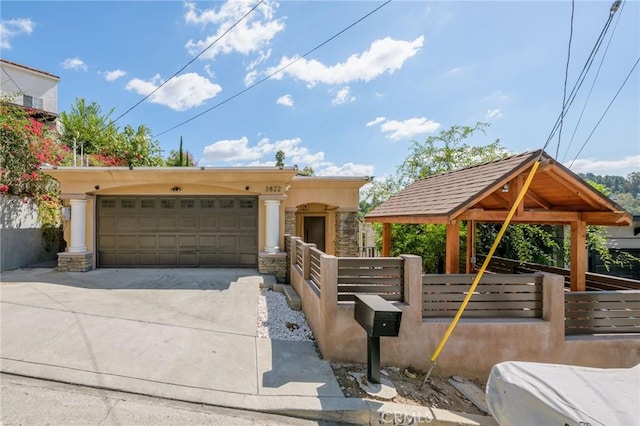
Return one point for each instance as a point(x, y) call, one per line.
point(529, 393)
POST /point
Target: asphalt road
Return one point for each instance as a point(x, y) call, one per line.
point(27, 401)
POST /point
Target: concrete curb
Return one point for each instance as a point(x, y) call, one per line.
point(357, 411)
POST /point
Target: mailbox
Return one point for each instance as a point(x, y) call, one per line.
point(377, 316)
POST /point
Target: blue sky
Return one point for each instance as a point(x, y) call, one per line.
point(353, 106)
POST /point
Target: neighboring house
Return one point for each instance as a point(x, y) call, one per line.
point(20, 233)
point(202, 217)
point(30, 88)
point(620, 239)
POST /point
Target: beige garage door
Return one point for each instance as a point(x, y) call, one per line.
point(177, 231)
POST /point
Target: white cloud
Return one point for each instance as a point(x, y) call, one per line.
point(252, 34)
point(231, 150)
point(209, 71)
point(250, 78)
point(383, 56)
point(455, 71)
point(14, 27)
point(74, 64)
point(347, 169)
point(252, 72)
point(493, 113)
point(180, 93)
point(405, 129)
point(377, 120)
point(239, 152)
point(612, 167)
point(343, 96)
point(113, 75)
point(285, 100)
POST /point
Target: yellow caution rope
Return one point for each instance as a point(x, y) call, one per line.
point(453, 324)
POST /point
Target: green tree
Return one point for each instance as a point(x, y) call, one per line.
point(280, 158)
point(180, 158)
point(86, 128)
point(306, 171)
point(441, 153)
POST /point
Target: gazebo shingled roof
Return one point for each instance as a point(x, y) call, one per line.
point(486, 193)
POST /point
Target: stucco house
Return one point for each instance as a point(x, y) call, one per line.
point(30, 88)
point(201, 216)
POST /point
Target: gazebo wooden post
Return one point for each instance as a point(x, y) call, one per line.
point(386, 239)
point(578, 255)
point(452, 262)
point(471, 245)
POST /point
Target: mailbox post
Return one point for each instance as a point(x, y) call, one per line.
point(379, 318)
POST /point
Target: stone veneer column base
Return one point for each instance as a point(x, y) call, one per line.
point(273, 264)
point(346, 234)
point(75, 262)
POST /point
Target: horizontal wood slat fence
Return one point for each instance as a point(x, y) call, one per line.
point(382, 276)
point(593, 281)
point(496, 296)
point(598, 312)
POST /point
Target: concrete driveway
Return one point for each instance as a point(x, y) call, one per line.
point(185, 334)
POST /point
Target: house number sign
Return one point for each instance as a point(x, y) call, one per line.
point(273, 188)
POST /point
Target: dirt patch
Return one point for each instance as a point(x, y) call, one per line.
point(436, 393)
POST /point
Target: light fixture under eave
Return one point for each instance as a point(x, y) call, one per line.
point(176, 189)
point(505, 188)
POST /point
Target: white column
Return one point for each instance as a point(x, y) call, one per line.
point(78, 226)
point(272, 231)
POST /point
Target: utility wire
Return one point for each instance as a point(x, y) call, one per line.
point(14, 82)
point(583, 73)
point(566, 75)
point(190, 62)
point(605, 111)
point(279, 70)
point(584, 107)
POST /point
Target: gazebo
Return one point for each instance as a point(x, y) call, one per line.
point(487, 192)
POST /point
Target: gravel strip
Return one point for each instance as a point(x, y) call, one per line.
point(277, 321)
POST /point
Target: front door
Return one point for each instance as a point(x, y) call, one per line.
point(314, 231)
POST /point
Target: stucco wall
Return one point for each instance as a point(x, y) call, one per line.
point(474, 347)
point(30, 83)
point(20, 234)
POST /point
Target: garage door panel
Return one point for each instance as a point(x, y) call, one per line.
point(168, 258)
point(167, 223)
point(177, 231)
point(127, 241)
point(188, 224)
point(148, 223)
point(208, 242)
point(187, 241)
point(147, 258)
point(247, 259)
point(147, 242)
point(228, 241)
point(167, 242)
point(106, 242)
point(127, 223)
point(127, 258)
point(248, 223)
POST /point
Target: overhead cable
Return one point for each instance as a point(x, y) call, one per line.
point(605, 111)
point(190, 62)
point(566, 75)
point(583, 73)
point(604, 55)
point(279, 70)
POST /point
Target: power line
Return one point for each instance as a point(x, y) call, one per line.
point(566, 75)
point(583, 73)
point(279, 70)
point(14, 82)
point(605, 111)
point(584, 107)
point(191, 61)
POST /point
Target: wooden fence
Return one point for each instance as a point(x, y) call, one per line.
point(599, 312)
point(315, 271)
point(383, 276)
point(593, 281)
point(496, 296)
